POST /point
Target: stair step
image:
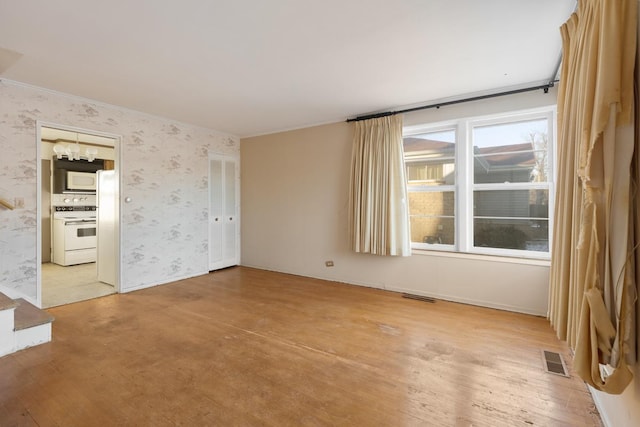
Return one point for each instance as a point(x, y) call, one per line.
point(6, 303)
point(28, 315)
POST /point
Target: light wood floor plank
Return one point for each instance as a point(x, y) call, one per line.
point(249, 347)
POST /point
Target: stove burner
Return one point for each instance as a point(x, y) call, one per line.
point(74, 212)
point(74, 208)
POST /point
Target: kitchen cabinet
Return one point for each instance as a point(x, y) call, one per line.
point(224, 207)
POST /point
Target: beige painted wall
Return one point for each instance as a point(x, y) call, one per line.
point(294, 207)
point(295, 188)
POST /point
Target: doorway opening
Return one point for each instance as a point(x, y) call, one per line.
point(78, 214)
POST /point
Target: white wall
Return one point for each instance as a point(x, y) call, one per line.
point(295, 188)
point(164, 170)
point(620, 410)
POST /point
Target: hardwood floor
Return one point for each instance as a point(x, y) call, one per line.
point(244, 347)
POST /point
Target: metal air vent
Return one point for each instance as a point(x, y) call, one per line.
point(418, 297)
point(554, 363)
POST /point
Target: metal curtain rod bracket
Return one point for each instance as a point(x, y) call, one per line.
point(545, 87)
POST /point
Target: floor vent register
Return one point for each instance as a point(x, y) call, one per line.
point(554, 363)
point(418, 297)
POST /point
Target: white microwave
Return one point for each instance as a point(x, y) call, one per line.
point(81, 181)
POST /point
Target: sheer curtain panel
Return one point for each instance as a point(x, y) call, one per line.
point(593, 284)
point(378, 211)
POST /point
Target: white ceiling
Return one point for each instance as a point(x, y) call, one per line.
point(252, 67)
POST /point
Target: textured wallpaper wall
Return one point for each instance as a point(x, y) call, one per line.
point(164, 171)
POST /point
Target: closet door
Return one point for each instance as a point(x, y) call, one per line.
point(224, 227)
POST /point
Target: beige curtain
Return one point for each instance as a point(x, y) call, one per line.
point(592, 280)
point(379, 217)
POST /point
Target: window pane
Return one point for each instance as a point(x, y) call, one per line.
point(511, 203)
point(432, 230)
point(530, 235)
point(430, 158)
point(504, 172)
point(432, 217)
point(511, 152)
point(511, 219)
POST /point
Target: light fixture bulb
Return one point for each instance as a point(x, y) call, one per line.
point(91, 153)
point(73, 151)
point(59, 150)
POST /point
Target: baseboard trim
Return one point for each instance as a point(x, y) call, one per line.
point(444, 297)
point(604, 416)
point(480, 303)
point(151, 285)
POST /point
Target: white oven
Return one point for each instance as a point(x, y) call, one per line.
point(74, 235)
point(79, 234)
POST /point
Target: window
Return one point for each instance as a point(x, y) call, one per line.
point(482, 185)
point(430, 162)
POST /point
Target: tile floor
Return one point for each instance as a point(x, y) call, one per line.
point(65, 285)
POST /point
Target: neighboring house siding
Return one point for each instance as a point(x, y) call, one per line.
point(502, 204)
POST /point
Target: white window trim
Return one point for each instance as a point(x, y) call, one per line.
point(464, 186)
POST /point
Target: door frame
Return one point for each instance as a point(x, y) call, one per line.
point(236, 217)
point(118, 161)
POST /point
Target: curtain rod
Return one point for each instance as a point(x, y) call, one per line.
point(545, 87)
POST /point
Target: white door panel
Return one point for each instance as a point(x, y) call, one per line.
point(224, 231)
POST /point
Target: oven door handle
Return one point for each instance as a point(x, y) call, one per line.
point(81, 222)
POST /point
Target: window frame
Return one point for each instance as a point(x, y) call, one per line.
point(464, 187)
point(440, 127)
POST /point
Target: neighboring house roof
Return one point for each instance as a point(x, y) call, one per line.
point(412, 145)
point(501, 156)
point(513, 156)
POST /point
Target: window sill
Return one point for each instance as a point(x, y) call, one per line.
point(483, 257)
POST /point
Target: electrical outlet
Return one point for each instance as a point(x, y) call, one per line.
point(19, 202)
point(328, 263)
